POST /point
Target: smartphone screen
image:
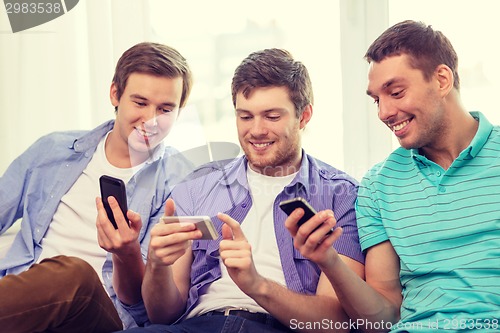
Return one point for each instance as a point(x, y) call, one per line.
point(114, 187)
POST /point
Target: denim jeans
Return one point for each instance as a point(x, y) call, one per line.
point(210, 324)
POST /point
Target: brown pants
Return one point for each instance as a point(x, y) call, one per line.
point(61, 294)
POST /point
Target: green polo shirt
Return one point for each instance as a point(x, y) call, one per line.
point(445, 227)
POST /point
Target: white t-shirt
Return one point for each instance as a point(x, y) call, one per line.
point(72, 231)
point(258, 228)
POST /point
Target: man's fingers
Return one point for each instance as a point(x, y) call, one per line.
point(165, 229)
point(98, 203)
point(292, 220)
point(233, 225)
point(169, 207)
point(135, 220)
point(120, 219)
point(227, 233)
point(102, 217)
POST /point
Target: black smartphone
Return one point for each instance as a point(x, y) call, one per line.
point(114, 187)
point(288, 206)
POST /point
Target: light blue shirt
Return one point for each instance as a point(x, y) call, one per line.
point(35, 182)
point(445, 227)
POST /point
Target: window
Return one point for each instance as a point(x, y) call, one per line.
point(329, 37)
point(216, 36)
point(471, 26)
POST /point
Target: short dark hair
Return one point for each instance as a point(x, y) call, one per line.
point(426, 47)
point(156, 59)
point(274, 67)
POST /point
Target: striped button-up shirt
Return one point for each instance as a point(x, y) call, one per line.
point(223, 187)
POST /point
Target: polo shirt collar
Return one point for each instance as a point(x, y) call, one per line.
point(482, 135)
point(477, 143)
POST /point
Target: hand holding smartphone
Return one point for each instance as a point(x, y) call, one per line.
point(202, 223)
point(288, 206)
point(114, 187)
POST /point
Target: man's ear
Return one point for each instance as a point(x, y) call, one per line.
point(306, 115)
point(113, 95)
point(445, 79)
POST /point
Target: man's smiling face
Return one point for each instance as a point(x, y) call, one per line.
point(408, 104)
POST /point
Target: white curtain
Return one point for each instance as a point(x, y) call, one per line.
point(56, 76)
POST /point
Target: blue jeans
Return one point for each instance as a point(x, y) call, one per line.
point(210, 324)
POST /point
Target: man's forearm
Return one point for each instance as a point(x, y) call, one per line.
point(362, 302)
point(300, 312)
point(164, 303)
point(128, 273)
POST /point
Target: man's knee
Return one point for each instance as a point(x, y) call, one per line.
point(74, 269)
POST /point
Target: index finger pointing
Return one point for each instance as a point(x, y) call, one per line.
point(234, 225)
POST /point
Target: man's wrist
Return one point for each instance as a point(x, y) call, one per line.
point(261, 288)
point(330, 264)
point(132, 253)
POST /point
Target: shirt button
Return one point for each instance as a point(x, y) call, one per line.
point(442, 189)
point(244, 205)
point(438, 173)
